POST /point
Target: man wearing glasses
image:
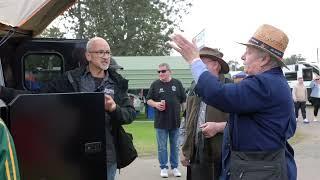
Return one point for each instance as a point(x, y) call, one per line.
point(96, 76)
point(167, 95)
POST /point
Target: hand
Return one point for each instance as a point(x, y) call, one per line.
point(109, 104)
point(188, 50)
point(160, 106)
point(184, 161)
point(210, 129)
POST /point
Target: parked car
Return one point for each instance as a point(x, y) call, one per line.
point(137, 103)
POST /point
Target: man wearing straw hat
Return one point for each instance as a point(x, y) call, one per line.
point(261, 108)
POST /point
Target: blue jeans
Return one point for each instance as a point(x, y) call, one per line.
point(111, 171)
point(162, 137)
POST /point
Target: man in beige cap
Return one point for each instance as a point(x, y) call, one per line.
point(201, 150)
point(261, 108)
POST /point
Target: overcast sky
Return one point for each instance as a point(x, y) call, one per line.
point(228, 21)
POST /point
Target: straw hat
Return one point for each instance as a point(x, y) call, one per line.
point(270, 39)
point(215, 54)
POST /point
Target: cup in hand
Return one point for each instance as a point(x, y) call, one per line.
point(163, 102)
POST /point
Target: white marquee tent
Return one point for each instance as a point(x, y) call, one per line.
point(30, 16)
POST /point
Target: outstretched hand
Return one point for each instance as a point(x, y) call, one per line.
point(187, 49)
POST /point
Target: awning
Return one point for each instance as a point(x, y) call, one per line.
point(30, 16)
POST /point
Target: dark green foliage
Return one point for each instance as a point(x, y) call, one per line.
point(52, 32)
point(132, 27)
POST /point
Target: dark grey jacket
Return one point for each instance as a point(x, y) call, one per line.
point(124, 113)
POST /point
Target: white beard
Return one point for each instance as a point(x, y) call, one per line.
point(106, 67)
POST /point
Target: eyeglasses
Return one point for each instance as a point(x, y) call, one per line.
point(101, 53)
point(162, 71)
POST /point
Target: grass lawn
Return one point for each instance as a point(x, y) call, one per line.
point(144, 137)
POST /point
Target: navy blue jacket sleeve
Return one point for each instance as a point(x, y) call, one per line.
point(251, 95)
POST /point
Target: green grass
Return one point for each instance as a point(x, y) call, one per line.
point(144, 137)
point(141, 117)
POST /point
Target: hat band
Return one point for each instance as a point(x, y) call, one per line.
point(266, 46)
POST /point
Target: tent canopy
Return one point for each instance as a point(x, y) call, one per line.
point(30, 17)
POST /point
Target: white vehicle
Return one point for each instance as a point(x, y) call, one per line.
point(307, 70)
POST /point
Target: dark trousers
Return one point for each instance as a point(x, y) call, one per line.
point(209, 167)
point(201, 172)
point(300, 105)
point(316, 105)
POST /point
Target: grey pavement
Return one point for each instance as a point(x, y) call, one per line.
point(146, 169)
point(307, 151)
point(307, 156)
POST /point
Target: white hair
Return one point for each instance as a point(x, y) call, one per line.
point(91, 41)
point(274, 61)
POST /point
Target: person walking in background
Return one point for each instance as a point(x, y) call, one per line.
point(201, 150)
point(255, 143)
point(315, 96)
point(9, 167)
point(299, 95)
point(167, 95)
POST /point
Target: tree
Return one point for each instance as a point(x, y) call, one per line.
point(234, 65)
point(293, 59)
point(52, 32)
point(132, 27)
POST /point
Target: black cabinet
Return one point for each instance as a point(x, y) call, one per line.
point(59, 136)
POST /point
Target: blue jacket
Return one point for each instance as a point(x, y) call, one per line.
point(261, 114)
point(315, 89)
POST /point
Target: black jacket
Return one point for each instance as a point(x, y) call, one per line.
point(124, 113)
point(70, 82)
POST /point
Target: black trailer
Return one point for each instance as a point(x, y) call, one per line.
point(57, 136)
